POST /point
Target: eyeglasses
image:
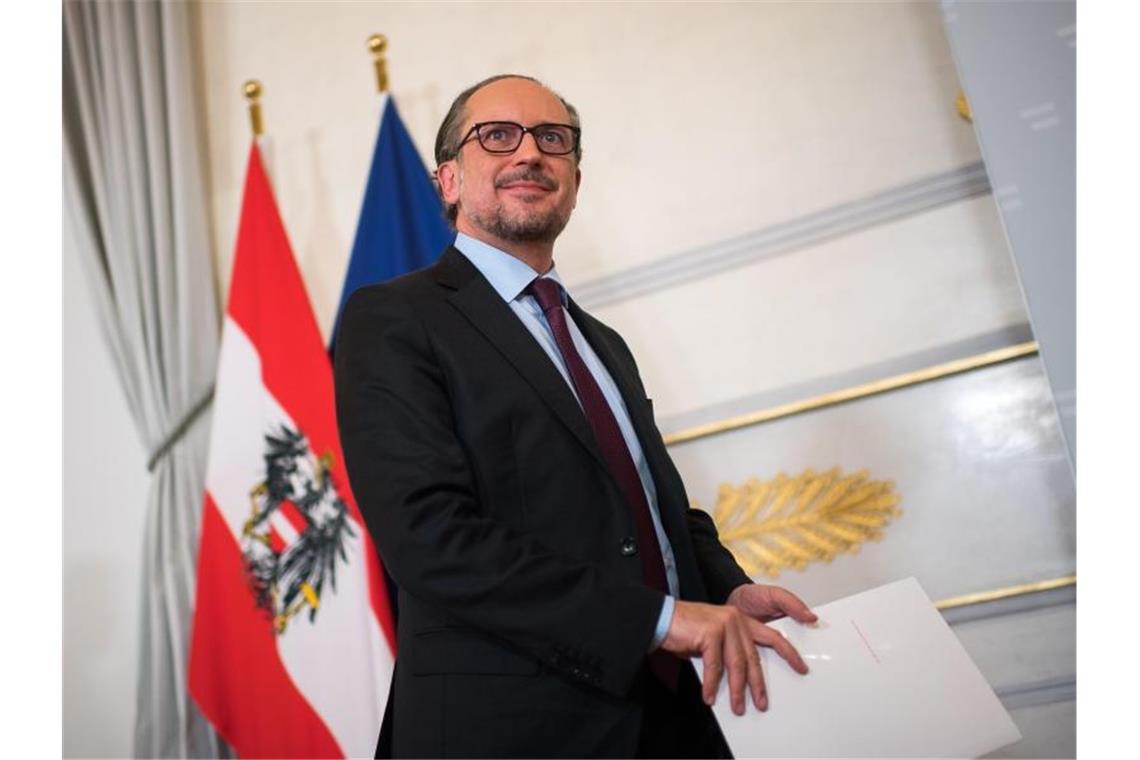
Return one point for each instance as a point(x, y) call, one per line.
point(507, 136)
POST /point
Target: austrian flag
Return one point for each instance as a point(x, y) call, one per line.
point(293, 642)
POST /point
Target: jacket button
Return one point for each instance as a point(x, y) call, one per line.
point(628, 547)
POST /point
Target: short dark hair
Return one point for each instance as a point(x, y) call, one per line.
point(448, 137)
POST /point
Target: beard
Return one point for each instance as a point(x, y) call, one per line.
point(523, 226)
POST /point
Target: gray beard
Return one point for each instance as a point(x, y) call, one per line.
point(532, 228)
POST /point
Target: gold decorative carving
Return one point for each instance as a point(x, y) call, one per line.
point(792, 521)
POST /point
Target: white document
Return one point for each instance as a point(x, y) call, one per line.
point(888, 679)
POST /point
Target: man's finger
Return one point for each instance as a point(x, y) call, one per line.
point(756, 679)
point(770, 637)
point(713, 667)
point(736, 660)
point(793, 606)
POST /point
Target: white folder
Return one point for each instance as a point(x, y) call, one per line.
point(887, 678)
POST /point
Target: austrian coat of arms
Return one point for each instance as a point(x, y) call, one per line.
point(295, 535)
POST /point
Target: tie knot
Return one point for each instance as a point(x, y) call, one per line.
point(547, 292)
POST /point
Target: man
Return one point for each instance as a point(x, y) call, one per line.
point(553, 581)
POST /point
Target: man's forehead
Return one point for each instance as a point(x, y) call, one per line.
point(515, 99)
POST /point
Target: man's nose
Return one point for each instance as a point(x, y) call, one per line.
point(528, 151)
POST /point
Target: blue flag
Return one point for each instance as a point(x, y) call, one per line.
point(401, 225)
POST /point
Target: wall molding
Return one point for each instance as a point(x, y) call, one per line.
point(1007, 592)
point(974, 345)
point(1010, 600)
point(916, 197)
point(863, 390)
point(1038, 693)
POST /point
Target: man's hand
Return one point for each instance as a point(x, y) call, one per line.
point(726, 636)
point(768, 603)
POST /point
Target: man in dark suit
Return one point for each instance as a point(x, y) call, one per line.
point(553, 581)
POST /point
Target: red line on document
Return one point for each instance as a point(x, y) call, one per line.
point(865, 642)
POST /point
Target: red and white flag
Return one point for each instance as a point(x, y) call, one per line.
point(293, 642)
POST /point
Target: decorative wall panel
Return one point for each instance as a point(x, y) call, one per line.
point(911, 285)
point(976, 465)
point(976, 459)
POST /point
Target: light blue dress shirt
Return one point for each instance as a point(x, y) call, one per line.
point(509, 277)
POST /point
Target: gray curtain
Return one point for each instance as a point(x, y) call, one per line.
point(136, 215)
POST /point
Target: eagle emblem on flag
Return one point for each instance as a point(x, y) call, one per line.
point(295, 535)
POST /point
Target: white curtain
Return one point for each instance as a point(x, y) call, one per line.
point(135, 213)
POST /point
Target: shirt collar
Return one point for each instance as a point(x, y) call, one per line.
point(508, 275)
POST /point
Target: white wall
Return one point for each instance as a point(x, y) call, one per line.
point(104, 496)
point(700, 121)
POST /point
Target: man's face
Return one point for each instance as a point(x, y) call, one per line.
point(525, 196)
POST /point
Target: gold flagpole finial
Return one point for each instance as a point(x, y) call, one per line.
point(378, 44)
point(252, 91)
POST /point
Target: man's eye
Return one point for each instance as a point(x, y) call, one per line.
point(553, 138)
point(497, 135)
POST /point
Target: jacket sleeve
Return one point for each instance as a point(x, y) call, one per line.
point(415, 488)
point(719, 569)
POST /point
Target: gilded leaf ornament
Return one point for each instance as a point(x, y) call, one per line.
point(787, 521)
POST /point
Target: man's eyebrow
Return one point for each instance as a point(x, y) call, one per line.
point(565, 122)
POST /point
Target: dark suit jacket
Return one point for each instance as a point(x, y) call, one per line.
point(523, 626)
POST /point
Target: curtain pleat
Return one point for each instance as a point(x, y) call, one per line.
point(136, 213)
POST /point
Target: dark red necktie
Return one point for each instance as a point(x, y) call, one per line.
point(616, 454)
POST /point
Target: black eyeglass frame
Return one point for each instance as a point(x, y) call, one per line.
point(576, 131)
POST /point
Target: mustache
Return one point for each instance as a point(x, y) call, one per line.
point(529, 174)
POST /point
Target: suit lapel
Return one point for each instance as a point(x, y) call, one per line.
point(485, 310)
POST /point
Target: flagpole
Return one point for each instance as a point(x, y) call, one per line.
point(252, 91)
point(378, 44)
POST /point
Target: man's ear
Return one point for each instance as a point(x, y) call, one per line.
point(447, 174)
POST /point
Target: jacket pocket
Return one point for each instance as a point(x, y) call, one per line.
point(462, 650)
